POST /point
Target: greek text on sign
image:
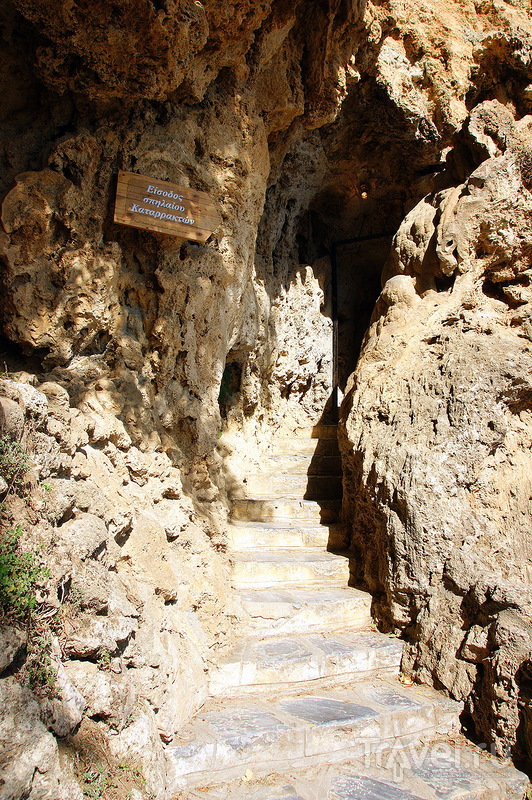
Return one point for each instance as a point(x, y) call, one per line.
point(154, 205)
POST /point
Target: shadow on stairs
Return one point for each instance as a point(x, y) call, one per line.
point(307, 704)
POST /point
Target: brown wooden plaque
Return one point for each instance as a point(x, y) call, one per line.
point(154, 205)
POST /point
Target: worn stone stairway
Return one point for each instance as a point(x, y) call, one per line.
point(308, 704)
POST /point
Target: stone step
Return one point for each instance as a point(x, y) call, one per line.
point(245, 535)
point(264, 732)
point(305, 566)
point(306, 446)
point(311, 487)
point(256, 662)
point(319, 431)
point(275, 612)
point(275, 509)
point(301, 464)
point(322, 431)
point(437, 770)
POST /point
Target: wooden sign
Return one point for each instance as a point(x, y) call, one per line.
point(155, 205)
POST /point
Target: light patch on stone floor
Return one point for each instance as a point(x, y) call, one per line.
point(286, 650)
point(326, 711)
point(276, 793)
point(448, 777)
point(332, 647)
point(244, 727)
point(388, 697)
point(360, 788)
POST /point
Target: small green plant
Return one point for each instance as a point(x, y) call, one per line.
point(14, 464)
point(74, 601)
point(39, 668)
point(101, 778)
point(95, 780)
point(104, 659)
point(20, 574)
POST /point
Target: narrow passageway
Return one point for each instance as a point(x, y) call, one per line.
point(357, 262)
point(307, 704)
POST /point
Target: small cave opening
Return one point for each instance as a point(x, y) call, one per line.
point(337, 198)
point(16, 358)
point(230, 385)
point(523, 748)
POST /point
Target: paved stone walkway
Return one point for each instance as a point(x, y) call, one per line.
point(308, 704)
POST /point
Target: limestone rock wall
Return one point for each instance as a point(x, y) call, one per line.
point(437, 434)
point(116, 342)
point(137, 590)
point(127, 353)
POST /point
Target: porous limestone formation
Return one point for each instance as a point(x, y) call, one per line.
point(437, 439)
point(136, 581)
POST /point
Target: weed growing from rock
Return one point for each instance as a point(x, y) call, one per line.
point(39, 669)
point(104, 659)
point(99, 774)
point(14, 464)
point(105, 781)
point(20, 574)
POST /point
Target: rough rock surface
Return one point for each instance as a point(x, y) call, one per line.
point(139, 607)
point(127, 353)
point(437, 435)
point(28, 752)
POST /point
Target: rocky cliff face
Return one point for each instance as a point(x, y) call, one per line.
point(437, 434)
point(128, 352)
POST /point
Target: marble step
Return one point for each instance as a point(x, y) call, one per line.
point(306, 446)
point(437, 770)
point(289, 660)
point(320, 431)
point(245, 535)
point(275, 509)
point(264, 732)
point(272, 612)
point(286, 464)
point(312, 487)
point(308, 567)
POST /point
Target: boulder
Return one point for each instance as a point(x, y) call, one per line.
point(11, 419)
point(29, 758)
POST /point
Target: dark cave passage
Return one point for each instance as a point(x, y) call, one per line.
point(358, 266)
point(353, 236)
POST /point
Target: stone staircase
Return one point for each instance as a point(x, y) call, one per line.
point(308, 704)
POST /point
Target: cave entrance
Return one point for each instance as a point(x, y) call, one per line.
point(356, 267)
point(347, 238)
